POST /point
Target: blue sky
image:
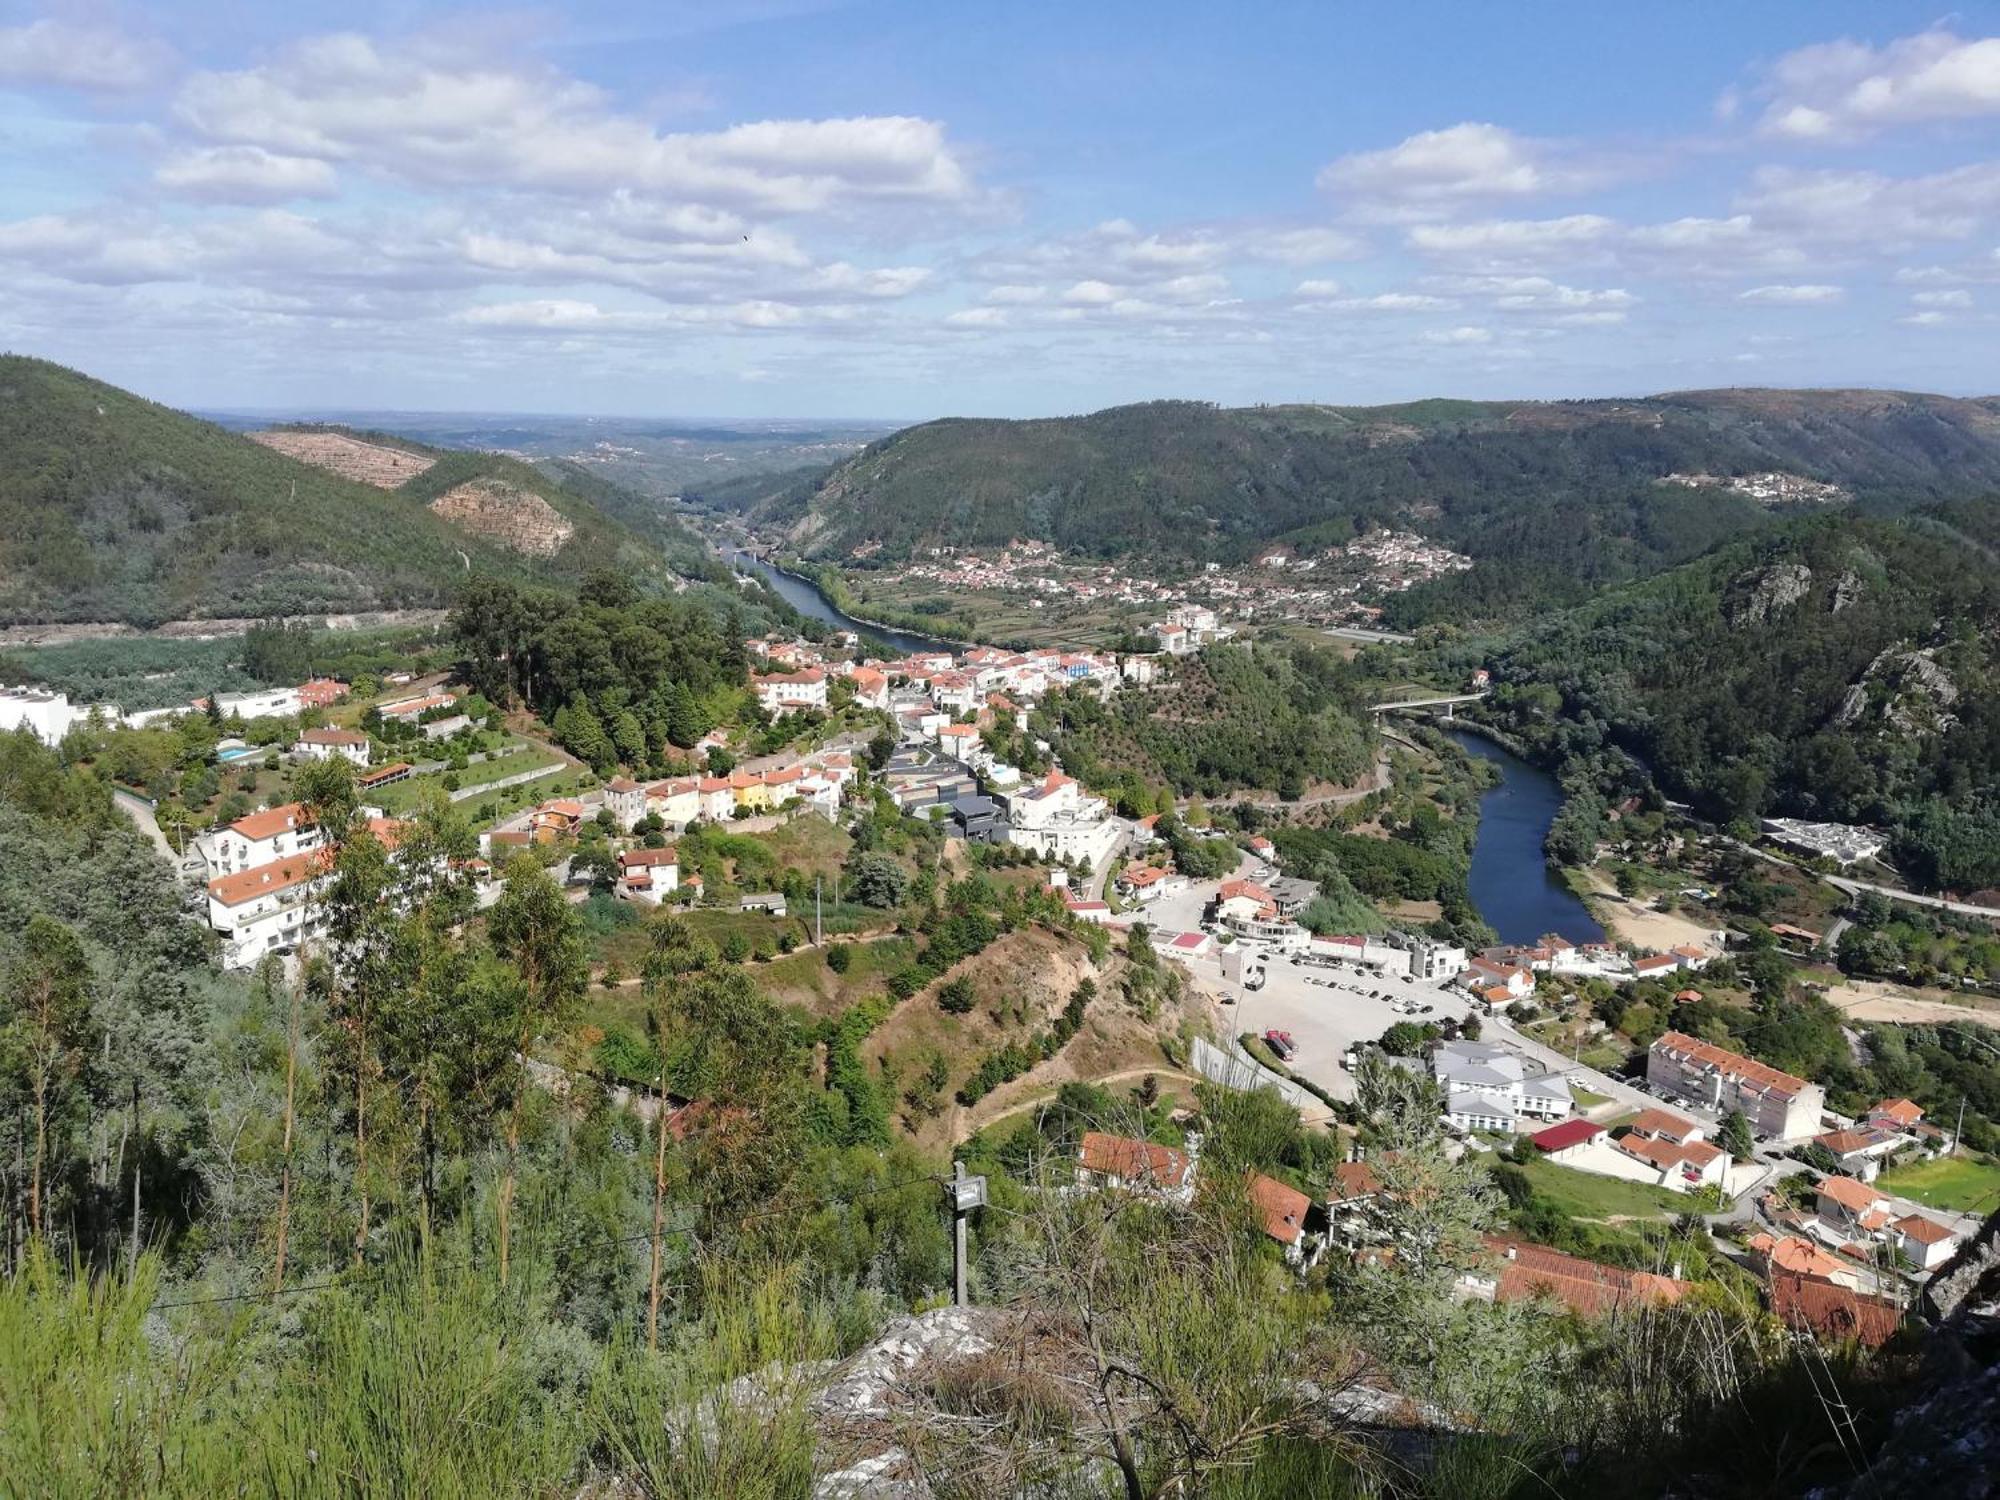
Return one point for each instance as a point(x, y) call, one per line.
point(904, 211)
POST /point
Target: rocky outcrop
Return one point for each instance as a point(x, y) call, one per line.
point(1757, 595)
point(1915, 693)
point(505, 513)
point(1947, 1442)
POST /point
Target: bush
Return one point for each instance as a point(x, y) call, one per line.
point(955, 996)
point(840, 957)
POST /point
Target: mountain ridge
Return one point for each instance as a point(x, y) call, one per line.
point(115, 508)
point(1568, 490)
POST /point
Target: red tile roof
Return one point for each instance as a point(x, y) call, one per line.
point(1133, 1161)
point(333, 737)
point(1663, 1122)
point(1856, 1197)
point(1280, 1209)
point(1832, 1312)
point(1569, 1133)
point(271, 822)
point(1582, 1285)
point(1761, 1075)
point(269, 879)
point(1901, 1111)
point(1356, 1179)
point(1923, 1231)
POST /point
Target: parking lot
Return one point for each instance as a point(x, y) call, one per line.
point(1326, 1009)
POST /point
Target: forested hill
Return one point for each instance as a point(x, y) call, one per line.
point(1840, 668)
point(116, 508)
point(1565, 489)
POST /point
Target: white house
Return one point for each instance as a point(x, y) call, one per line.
point(718, 799)
point(327, 744)
point(1926, 1243)
point(781, 693)
point(675, 802)
point(625, 799)
point(49, 716)
point(259, 839)
point(1116, 1161)
point(265, 703)
point(648, 874)
point(1059, 820)
point(1490, 1088)
point(871, 688)
point(1673, 1147)
point(265, 909)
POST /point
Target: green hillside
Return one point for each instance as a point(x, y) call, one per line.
point(1555, 495)
point(117, 508)
point(1842, 668)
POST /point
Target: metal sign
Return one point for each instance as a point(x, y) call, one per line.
point(968, 1193)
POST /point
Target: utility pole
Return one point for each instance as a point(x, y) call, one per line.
point(967, 1193)
point(819, 936)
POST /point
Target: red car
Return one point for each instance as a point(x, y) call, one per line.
point(1281, 1043)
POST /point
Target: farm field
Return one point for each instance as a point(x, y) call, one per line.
point(1965, 1184)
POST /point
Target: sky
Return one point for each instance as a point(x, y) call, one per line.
point(779, 208)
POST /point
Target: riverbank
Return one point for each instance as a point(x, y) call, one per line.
point(804, 594)
point(1626, 921)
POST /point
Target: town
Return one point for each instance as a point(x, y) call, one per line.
point(940, 738)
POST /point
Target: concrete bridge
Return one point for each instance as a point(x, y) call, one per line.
point(1445, 701)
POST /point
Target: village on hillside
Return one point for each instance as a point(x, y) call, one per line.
point(940, 739)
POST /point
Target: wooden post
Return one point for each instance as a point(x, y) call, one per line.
point(967, 1193)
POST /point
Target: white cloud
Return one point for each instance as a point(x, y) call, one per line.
point(1396, 302)
point(1317, 288)
point(1462, 163)
point(567, 315)
point(1301, 247)
point(1930, 319)
point(1464, 334)
point(1845, 90)
point(1091, 294)
point(1955, 298)
point(978, 317)
point(1871, 209)
point(1805, 295)
point(245, 174)
point(343, 99)
point(93, 58)
point(1513, 242)
point(1016, 294)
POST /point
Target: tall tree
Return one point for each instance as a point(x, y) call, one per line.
point(324, 790)
point(537, 932)
point(46, 1032)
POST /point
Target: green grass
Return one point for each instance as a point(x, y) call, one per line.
point(1585, 1099)
point(401, 796)
point(1585, 1195)
point(1967, 1184)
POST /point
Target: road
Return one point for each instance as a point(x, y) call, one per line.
point(1368, 637)
point(1964, 908)
point(141, 813)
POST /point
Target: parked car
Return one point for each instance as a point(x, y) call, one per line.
point(1281, 1043)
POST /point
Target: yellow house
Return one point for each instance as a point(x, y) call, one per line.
point(750, 791)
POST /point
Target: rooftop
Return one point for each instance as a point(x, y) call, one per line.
point(1760, 1075)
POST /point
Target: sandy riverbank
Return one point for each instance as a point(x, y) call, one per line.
point(1640, 925)
point(1874, 1000)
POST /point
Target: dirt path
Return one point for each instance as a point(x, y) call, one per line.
point(1872, 1000)
point(968, 1127)
point(1321, 795)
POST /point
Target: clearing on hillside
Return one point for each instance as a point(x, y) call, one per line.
point(348, 456)
point(506, 514)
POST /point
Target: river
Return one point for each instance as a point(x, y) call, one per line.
point(804, 596)
point(1510, 882)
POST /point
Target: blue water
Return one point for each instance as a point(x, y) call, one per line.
point(1510, 881)
point(226, 755)
point(805, 597)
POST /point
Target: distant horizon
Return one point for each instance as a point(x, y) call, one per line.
point(756, 208)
